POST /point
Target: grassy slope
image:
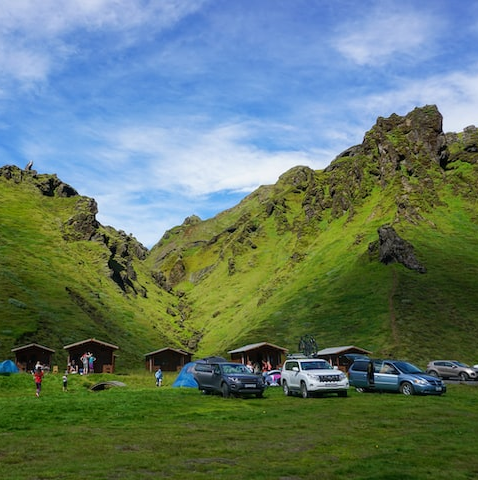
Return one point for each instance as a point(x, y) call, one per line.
point(260, 271)
point(330, 294)
point(37, 266)
point(337, 292)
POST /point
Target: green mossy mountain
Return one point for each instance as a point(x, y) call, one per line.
point(379, 250)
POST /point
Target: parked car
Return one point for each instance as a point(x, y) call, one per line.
point(451, 368)
point(309, 376)
point(393, 376)
point(228, 379)
point(272, 377)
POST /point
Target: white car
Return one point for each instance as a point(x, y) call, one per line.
point(309, 376)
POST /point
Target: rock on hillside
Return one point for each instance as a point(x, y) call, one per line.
point(83, 225)
point(406, 155)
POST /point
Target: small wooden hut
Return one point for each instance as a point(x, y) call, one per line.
point(342, 357)
point(104, 354)
point(256, 353)
point(27, 356)
point(169, 359)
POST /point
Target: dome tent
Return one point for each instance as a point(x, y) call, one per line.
point(186, 377)
point(7, 367)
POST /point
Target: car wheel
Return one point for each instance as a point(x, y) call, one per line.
point(406, 388)
point(303, 390)
point(226, 392)
point(464, 376)
point(286, 389)
point(433, 373)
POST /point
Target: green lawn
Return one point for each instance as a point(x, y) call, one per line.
point(144, 432)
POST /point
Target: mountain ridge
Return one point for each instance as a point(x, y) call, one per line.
point(304, 255)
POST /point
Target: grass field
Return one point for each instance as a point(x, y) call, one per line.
point(144, 432)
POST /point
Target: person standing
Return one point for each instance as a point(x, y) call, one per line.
point(38, 377)
point(159, 377)
point(84, 361)
point(65, 382)
point(91, 363)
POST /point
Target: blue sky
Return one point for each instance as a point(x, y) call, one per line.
point(164, 109)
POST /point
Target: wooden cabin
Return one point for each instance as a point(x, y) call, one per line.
point(103, 352)
point(169, 359)
point(257, 353)
point(342, 357)
point(27, 356)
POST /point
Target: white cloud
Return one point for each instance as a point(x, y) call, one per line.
point(384, 33)
point(454, 93)
point(163, 109)
point(37, 36)
point(199, 162)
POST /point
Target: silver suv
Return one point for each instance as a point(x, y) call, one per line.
point(308, 376)
point(451, 368)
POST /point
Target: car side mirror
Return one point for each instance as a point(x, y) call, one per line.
point(295, 369)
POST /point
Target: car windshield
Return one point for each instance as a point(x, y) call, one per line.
point(406, 367)
point(235, 369)
point(316, 365)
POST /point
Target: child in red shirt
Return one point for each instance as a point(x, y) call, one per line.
point(38, 375)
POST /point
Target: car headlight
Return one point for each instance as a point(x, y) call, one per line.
point(420, 381)
point(313, 377)
point(234, 379)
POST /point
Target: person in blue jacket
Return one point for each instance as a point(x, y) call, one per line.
point(159, 377)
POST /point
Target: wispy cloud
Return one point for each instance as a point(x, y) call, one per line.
point(160, 110)
point(455, 93)
point(39, 36)
point(389, 30)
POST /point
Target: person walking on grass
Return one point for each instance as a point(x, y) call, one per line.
point(65, 382)
point(38, 377)
point(159, 377)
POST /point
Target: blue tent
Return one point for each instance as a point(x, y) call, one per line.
point(186, 377)
point(7, 367)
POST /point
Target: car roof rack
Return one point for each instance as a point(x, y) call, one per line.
point(291, 356)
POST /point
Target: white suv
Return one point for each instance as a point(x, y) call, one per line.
point(309, 376)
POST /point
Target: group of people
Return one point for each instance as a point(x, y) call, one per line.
point(38, 374)
point(87, 364)
point(88, 361)
point(256, 368)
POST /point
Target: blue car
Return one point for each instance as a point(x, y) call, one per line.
point(368, 375)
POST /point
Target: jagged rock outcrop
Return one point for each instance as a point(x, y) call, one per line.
point(83, 225)
point(48, 184)
point(392, 248)
point(416, 139)
point(409, 153)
